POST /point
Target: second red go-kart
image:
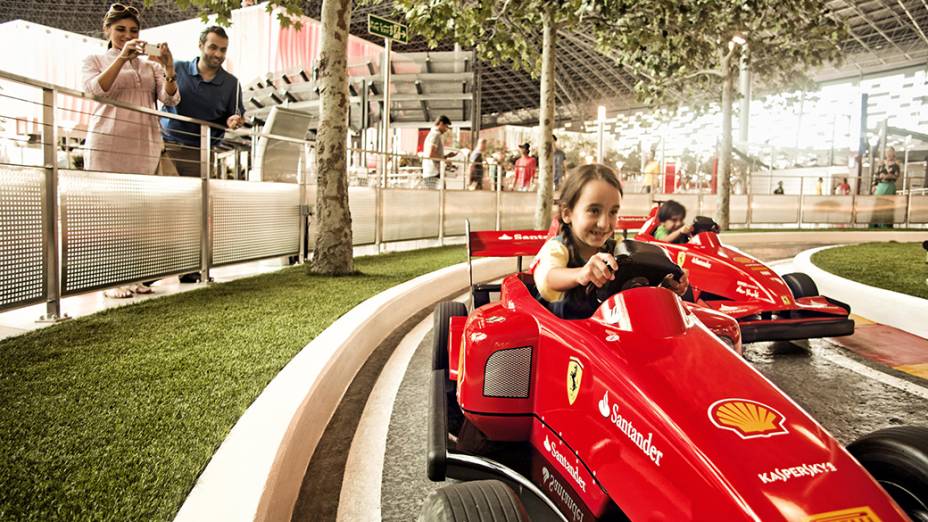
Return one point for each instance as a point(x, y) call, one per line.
point(768, 307)
point(639, 412)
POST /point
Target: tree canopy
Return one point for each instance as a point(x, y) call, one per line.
point(676, 47)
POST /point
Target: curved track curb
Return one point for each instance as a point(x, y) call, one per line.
point(901, 311)
point(257, 470)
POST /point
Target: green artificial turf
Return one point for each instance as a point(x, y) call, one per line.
point(113, 416)
point(899, 267)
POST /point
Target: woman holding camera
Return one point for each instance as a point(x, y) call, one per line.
point(123, 140)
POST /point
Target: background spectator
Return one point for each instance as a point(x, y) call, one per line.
point(433, 152)
point(475, 170)
point(526, 167)
point(123, 140)
point(208, 92)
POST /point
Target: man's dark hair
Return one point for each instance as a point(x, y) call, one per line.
point(671, 209)
point(215, 29)
point(443, 119)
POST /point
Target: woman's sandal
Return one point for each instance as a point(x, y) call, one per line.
point(120, 292)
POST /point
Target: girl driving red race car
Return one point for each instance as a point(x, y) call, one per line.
point(581, 253)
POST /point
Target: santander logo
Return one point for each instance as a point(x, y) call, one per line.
point(644, 442)
point(572, 469)
point(604, 405)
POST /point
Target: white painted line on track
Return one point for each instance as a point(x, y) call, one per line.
point(359, 500)
point(870, 373)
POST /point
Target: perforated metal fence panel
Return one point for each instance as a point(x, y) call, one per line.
point(517, 210)
point(22, 259)
point(254, 220)
point(117, 228)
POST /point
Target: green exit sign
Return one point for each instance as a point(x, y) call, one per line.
point(387, 28)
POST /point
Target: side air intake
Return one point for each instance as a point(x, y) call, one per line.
point(508, 373)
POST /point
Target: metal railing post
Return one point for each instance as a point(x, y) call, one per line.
point(908, 198)
point(206, 240)
point(802, 191)
point(499, 196)
point(304, 206)
point(441, 203)
point(378, 209)
point(52, 264)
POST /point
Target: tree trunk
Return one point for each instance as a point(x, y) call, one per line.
point(724, 173)
point(332, 253)
point(546, 126)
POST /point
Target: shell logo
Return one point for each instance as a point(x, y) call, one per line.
point(858, 514)
point(748, 419)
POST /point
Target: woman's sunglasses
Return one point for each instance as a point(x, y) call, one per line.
point(118, 8)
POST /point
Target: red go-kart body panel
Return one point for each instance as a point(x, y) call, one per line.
point(727, 280)
point(641, 406)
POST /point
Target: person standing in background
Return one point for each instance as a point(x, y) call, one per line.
point(818, 186)
point(888, 174)
point(433, 152)
point(123, 140)
point(526, 167)
point(208, 92)
point(843, 188)
point(652, 170)
point(475, 170)
point(779, 189)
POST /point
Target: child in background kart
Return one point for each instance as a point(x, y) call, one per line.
point(581, 252)
point(671, 228)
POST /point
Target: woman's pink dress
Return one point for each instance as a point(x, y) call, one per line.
point(123, 140)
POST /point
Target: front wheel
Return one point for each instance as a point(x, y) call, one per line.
point(800, 284)
point(897, 458)
point(481, 500)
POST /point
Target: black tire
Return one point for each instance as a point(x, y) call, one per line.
point(801, 285)
point(898, 459)
point(481, 500)
point(443, 313)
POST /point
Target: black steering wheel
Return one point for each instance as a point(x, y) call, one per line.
point(640, 264)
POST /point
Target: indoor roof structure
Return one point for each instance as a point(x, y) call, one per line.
point(884, 35)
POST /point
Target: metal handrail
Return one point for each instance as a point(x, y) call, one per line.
point(5, 75)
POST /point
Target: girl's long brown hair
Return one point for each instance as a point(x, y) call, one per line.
point(577, 178)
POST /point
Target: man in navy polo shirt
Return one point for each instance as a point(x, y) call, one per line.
point(207, 92)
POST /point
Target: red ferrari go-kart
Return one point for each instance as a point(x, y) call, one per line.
point(639, 412)
point(767, 306)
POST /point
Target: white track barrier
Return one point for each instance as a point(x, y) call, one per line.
point(905, 312)
point(257, 471)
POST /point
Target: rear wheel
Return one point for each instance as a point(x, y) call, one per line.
point(801, 285)
point(440, 326)
point(481, 500)
point(898, 459)
point(440, 332)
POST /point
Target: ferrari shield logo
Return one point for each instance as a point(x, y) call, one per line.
point(574, 375)
point(681, 258)
point(859, 514)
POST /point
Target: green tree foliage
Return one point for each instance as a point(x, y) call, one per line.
point(683, 51)
point(520, 33)
point(289, 13)
point(676, 47)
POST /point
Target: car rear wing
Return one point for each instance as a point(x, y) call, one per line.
point(499, 243)
point(626, 223)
